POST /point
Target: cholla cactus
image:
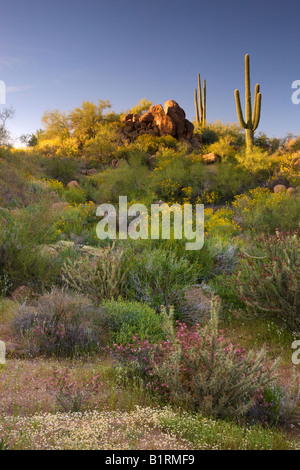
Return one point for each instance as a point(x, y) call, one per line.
point(102, 277)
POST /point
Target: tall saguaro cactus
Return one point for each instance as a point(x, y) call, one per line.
point(201, 106)
point(252, 119)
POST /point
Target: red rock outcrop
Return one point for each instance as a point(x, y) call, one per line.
point(159, 121)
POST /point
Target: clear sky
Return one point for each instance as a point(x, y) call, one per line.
point(55, 54)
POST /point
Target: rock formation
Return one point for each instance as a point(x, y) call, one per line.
point(159, 121)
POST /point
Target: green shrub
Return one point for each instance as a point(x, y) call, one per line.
point(128, 179)
point(225, 185)
point(64, 169)
point(101, 277)
point(21, 258)
point(75, 195)
point(158, 278)
point(203, 371)
point(60, 323)
point(123, 320)
point(224, 147)
point(104, 145)
point(261, 211)
point(268, 280)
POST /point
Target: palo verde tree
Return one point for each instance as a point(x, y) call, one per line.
point(252, 119)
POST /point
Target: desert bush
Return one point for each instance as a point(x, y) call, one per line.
point(59, 323)
point(220, 223)
point(70, 395)
point(123, 320)
point(158, 277)
point(129, 179)
point(258, 162)
point(262, 211)
point(226, 187)
point(64, 169)
point(267, 280)
point(224, 147)
point(79, 220)
point(21, 258)
point(75, 196)
point(204, 371)
point(151, 144)
point(104, 145)
point(103, 277)
point(198, 368)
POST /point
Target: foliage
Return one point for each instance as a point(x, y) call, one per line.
point(141, 106)
point(59, 323)
point(102, 147)
point(158, 277)
point(123, 320)
point(103, 277)
point(224, 147)
point(268, 280)
point(199, 368)
point(204, 371)
point(71, 395)
point(261, 211)
point(60, 168)
point(129, 179)
point(5, 137)
point(79, 220)
point(21, 258)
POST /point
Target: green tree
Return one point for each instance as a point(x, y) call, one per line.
point(86, 120)
point(142, 105)
point(56, 124)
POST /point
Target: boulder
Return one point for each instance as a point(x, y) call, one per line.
point(91, 171)
point(162, 121)
point(291, 191)
point(21, 293)
point(279, 188)
point(59, 206)
point(177, 115)
point(73, 184)
point(146, 118)
point(189, 129)
point(210, 158)
point(127, 117)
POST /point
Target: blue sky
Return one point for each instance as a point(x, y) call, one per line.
point(54, 55)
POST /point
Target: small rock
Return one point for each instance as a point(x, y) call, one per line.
point(210, 158)
point(147, 118)
point(279, 188)
point(92, 171)
point(59, 206)
point(291, 191)
point(73, 184)
point(127, 117)
point(21, 293)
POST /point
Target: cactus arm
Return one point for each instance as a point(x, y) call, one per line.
point(239, 109)
point(257, 111)
point(196, 106)
point(200, 99)
point(255, 102)
point(248, 110)
point(204, 103)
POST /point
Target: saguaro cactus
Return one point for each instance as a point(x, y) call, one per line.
point(252, 120)
point(201, 106)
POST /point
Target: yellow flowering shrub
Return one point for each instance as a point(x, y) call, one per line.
point(220, 223)
point(77, 219)
point(262, 210)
